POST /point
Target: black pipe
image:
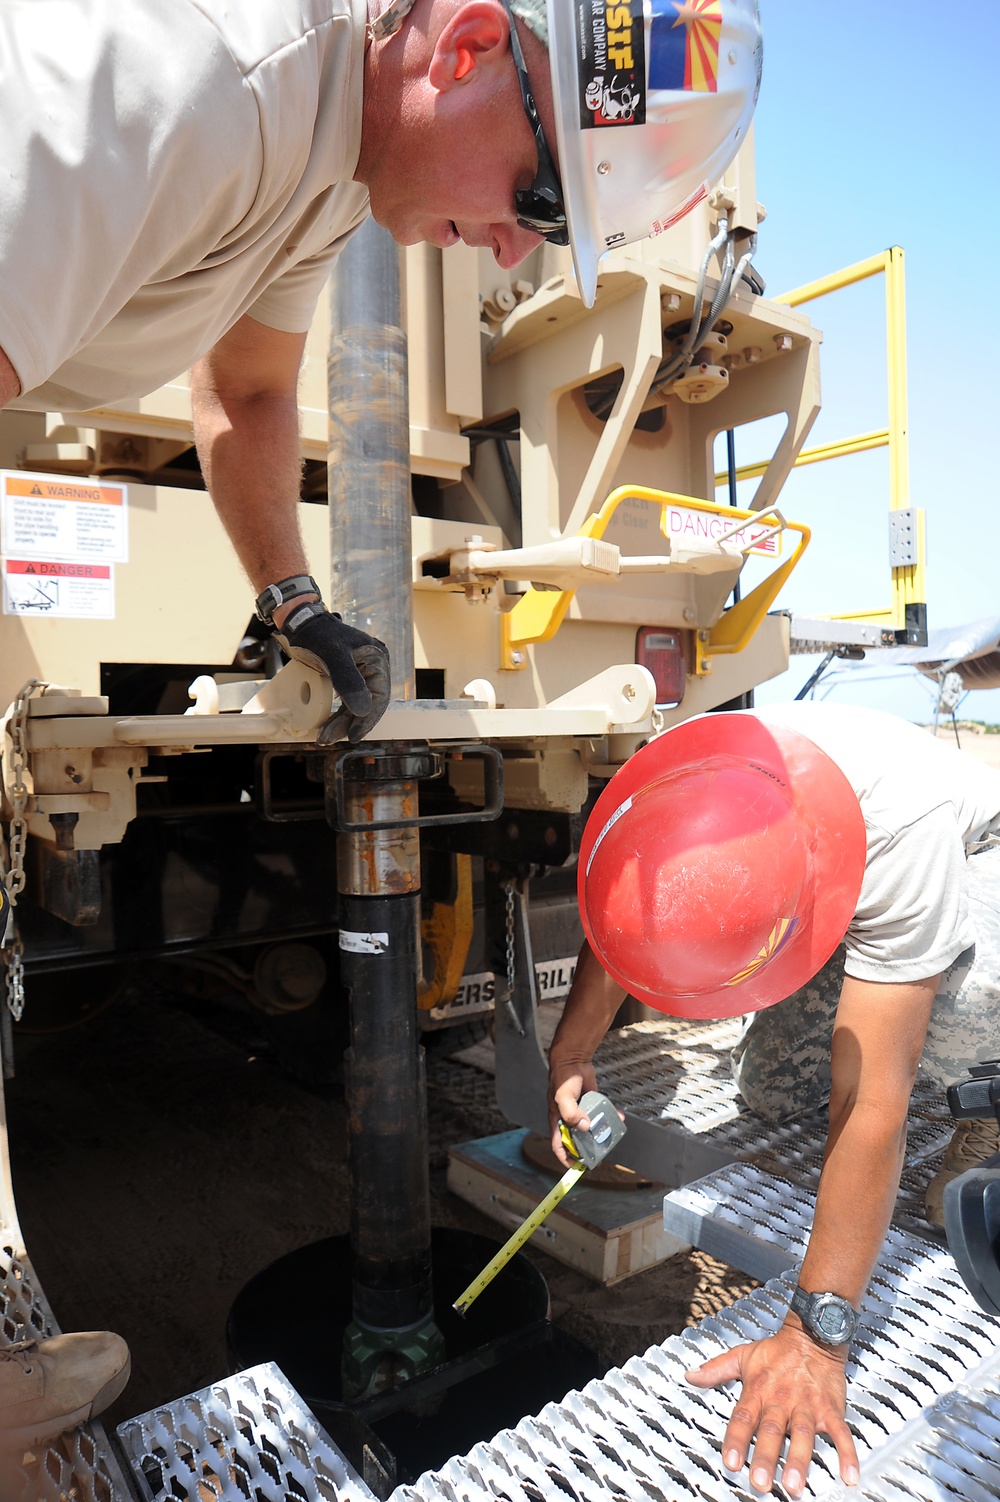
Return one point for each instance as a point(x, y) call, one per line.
point(387, 1118)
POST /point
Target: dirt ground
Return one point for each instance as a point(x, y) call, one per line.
point(161, 1156)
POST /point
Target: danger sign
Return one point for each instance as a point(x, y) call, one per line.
point(51, 588)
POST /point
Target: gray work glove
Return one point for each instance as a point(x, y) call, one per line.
point(356, 664)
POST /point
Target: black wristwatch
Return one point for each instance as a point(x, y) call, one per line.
point(274, 595)
point(828, 1318)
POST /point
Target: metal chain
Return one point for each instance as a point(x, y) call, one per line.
point(12, 858)
point(511, 970)
point(14, 955)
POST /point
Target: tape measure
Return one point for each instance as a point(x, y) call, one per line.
point(589, 1147)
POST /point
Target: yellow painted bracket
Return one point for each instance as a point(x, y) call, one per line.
point(539, 613)
point(447, 931)
point(908, 580)
point(735, 627)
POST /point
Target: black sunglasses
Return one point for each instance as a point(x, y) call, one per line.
point(540, 207)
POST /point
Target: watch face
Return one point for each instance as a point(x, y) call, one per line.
point(831, 1321)
point(834, 1319)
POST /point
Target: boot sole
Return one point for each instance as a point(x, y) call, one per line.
point(36, 1434)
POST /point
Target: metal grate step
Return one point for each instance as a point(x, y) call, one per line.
point(249, 1437)
point(673, 1080)
point(924, 1405)
point(80, 1465)
point(757, 1216)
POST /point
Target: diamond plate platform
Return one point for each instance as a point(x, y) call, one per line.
point(673, 1081)
point(923, 1404)
point(249, 1437)
point(924, 1396)
point(80, 1465)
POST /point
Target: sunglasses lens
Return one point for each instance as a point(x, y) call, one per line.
point(537, 216)
point(543, 213)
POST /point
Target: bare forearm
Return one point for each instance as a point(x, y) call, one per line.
point(244, 398)
point(593, 1000)
point(249, 452)
point(857, 1192)
point(876, 1049)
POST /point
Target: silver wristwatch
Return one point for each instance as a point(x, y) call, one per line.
point(827, 1317)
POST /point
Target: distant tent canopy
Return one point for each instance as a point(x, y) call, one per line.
point(973, 652)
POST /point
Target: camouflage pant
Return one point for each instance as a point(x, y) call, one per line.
point(782, 1061)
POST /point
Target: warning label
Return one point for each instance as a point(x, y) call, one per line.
point(51, 587)
point(48, 517)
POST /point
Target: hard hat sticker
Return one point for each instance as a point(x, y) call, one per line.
point(612, 63)
point(772, 945)
point(684, 45)
point(622, 808)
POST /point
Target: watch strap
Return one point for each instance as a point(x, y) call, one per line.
point(291, 588)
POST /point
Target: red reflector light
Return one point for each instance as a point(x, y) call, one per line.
point(663, 653)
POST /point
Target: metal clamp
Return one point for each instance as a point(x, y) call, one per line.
point(492, 791)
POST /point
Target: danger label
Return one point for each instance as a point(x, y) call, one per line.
point(58, 590)
point(47, 517)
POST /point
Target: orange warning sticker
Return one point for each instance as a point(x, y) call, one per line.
point(65, 490)
point(60, 517)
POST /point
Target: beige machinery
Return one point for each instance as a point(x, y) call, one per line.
point(571, 586)
point(575, 581)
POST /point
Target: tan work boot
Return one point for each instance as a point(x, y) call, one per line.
point(49, 1386)
point(972, 1142)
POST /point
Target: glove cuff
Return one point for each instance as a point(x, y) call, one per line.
point(298, 617)
point(274, 595)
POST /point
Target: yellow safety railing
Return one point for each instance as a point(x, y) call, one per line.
point(539, 613)
point(909, 591)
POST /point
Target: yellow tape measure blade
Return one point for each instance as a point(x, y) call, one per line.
point(514, 1243)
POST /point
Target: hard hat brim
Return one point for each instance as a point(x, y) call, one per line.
point(580, 215)
point(833, 827)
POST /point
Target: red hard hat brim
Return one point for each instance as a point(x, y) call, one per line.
point(830, 813)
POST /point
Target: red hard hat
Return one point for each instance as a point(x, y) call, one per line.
point(721, 866)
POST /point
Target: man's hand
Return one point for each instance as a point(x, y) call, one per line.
point(793, 1386)
point(569, 1079)
point(593, 1000)
point(356, 664)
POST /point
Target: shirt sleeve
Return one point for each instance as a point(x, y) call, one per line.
point(290, 302)
point(912, 918)
point(127, 156)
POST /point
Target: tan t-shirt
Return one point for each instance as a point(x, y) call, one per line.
point(925, 805)
point(168, 166)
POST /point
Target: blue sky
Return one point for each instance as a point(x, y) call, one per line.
point(877, 126)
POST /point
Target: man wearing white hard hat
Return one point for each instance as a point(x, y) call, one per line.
point(177, 181)
point(832, 875)
point(179, 178)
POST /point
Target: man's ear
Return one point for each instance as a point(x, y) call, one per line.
point(476, 35)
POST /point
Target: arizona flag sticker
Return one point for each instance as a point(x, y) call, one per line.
point(684, 45)
point(772, 945)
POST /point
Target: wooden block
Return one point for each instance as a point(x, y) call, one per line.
point(608, 1234)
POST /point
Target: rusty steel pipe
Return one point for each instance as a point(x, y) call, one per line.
point(369, 453)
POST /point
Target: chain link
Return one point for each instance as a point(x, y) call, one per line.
point(12, 850)
point(511, 963)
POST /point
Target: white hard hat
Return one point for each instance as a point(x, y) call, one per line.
point(653, 99)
